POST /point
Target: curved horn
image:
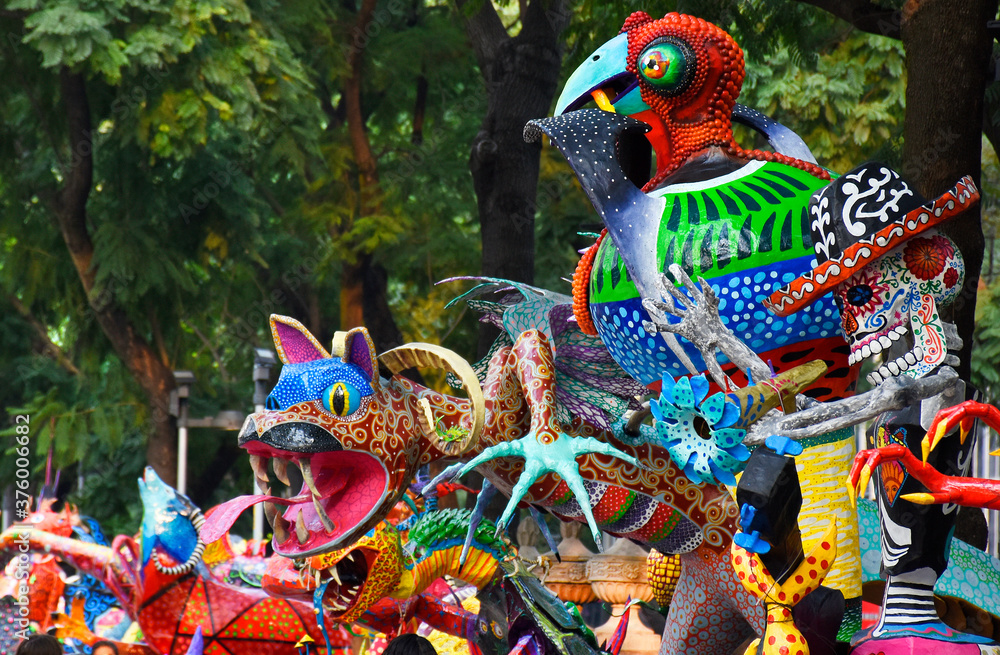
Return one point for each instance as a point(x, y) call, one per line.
point(198, 520)
point(431, 356)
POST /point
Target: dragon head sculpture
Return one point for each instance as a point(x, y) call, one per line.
point(356, 577)
point(49, 520)
point(356, 438)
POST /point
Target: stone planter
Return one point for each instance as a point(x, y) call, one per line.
point(616, 576)
point(568, 579)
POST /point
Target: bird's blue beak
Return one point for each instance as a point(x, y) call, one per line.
point(604, 69)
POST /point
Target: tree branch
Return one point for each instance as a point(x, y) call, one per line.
point(223, 373)
point(864, 15)
point(49, 347)
point(363, 156)
point(156, 380)
point(487, 33)
point(72, 199)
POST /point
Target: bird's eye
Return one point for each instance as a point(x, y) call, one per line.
point(859, 295)
point(668, 65)
point(341, 398)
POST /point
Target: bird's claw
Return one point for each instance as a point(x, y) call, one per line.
point(962, 415)
point(866, 461)
point(557, 455)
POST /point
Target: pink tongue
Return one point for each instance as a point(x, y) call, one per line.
point(223, 516)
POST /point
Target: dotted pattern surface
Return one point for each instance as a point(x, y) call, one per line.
point(648, 358)
point(823, 469)
point(706, 617)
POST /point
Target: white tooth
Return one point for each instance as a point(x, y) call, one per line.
point(875, 346)
point(281, 470)
point(918, 352)
point(893, 368)
point(300, 528)
point(900, 330)
point(336, 576)
point(280, 529)
point(894, 336)
point(885, 341)
point(307, 476)
point(866, 351)
point(874, 378)
point(323, 517)
point(259, 466)
point(902, 363)
point(851, 359)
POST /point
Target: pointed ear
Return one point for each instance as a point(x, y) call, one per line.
point(293, 341)
point(356, 347)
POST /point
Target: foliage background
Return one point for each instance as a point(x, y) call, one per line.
point(226, 188)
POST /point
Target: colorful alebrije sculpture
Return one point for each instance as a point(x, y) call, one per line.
point(401, 422)
point(47, 579)
point(545, 419)
point(171, 595)
point(736, 217)
point(382, 585)
point(893, 274)
point(663, 572)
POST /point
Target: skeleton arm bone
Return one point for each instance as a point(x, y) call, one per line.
point(894, 393)
point(701, 325)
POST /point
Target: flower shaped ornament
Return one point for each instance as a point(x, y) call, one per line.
point(696, 430)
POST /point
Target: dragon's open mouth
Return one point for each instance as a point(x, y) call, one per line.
point(343, 574)
point(345, 581)
point(340, 491)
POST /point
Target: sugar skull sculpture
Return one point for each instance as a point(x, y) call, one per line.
point(896, 298)
point(892, 274)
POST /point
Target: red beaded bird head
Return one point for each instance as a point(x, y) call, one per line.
point(679, 74)
point(690, 73)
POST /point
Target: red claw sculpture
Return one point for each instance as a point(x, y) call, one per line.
point(969, 492)
point(963, 415)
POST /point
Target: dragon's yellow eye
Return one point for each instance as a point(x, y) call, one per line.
point(341, 398)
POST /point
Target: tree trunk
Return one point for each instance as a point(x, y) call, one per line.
point(521, 76)
point(363, 286)
point(947, 60)
point(154, 377)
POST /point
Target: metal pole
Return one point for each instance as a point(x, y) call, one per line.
point(8, 507)
point(258, 509)
point(182, 445)
point(183, 380)
point(263, 360)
